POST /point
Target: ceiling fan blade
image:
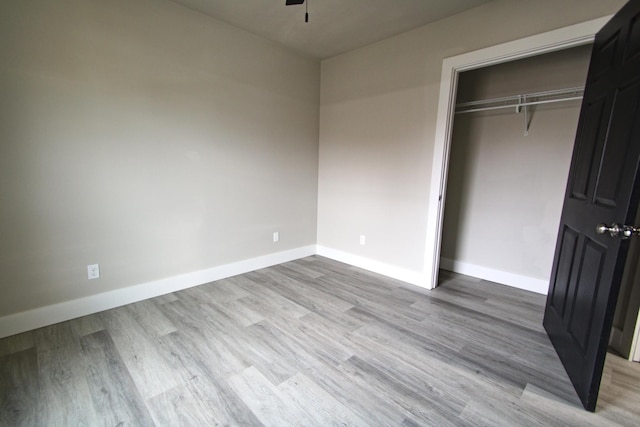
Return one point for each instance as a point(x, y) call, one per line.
point(290, 2)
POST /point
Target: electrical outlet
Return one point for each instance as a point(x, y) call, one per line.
point(93, 271)
point(276, 237)
point(363, 239)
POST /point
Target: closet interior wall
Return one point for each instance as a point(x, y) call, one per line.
point(504, 189)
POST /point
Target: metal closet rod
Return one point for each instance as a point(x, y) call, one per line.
point(567, 94)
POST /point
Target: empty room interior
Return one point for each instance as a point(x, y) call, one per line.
point(216, 212)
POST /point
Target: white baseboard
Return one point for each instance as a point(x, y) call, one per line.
point(514, 280)
point(49, 315)
point(409, 276)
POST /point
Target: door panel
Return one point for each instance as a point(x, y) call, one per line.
point(593, 113)
point(568, 250)
point(602, 188)
point(589, 276)
point(614, 167)
point(603, 56)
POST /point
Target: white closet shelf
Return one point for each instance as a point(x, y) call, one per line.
point(517, 101)
point(521, 102)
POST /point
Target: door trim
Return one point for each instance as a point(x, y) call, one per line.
point(634, 354)
point(563, 38)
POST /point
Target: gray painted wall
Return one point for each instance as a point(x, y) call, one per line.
point(147, 138)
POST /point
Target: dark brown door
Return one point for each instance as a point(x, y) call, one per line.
point(603, 187)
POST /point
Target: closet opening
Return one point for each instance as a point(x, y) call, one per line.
point(512, 140)
point(555, 40)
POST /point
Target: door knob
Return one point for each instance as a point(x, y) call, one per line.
point(617, 230)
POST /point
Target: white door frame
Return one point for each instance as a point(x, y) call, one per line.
point(634, 354)
point(563, 38)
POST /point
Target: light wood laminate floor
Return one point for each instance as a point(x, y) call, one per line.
point(307, 343)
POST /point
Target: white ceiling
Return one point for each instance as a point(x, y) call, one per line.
point(335, 26)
